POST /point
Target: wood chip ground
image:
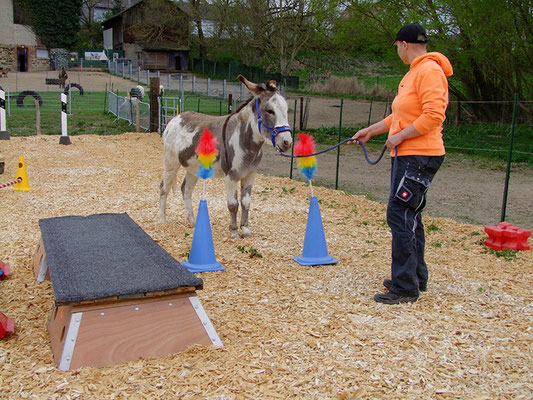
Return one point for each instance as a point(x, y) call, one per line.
point(288, 331)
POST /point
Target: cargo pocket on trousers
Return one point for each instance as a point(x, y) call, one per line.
point(412, 188)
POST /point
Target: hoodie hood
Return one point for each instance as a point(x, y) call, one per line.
point(439, 58)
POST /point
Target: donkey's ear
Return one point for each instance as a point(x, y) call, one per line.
point(271, 85)
point(252, 87)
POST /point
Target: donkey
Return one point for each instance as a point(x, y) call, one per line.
point(240, 135)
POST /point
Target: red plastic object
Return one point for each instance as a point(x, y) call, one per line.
point(5, 270)
point(507, 236)
point(6, 325)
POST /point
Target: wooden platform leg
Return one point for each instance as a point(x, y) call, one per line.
point(40, 265)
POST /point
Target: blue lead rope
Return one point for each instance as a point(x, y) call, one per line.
point(341, 143)
point(393, 177)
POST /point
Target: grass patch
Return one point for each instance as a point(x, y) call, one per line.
point(506, 254)
point(87, 114)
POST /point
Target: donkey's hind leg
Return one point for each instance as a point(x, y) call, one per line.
point(187, 187)
point(167, 182)
point(233, 205)
point(246, 197)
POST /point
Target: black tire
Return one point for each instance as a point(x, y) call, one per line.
point(71, 85)
point(36, 96)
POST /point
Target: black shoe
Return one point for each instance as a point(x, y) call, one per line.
point(393, 298)
point(388, 283)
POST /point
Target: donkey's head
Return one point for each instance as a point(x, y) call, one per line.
point(271, 111)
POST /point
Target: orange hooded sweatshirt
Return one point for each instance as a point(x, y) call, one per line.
point(422, 100)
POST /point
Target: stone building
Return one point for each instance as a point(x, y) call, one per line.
point(19, 47)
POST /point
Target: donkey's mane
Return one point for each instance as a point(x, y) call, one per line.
point(242, 105)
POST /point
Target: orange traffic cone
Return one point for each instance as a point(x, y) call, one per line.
point(21, 173)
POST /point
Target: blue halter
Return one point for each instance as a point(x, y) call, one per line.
point(274, 131)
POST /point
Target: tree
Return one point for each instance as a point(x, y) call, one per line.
point(90, 34)
point(272, 32)
point(487, 41)
point(160, 23)
point(197, 10)
point(56, 23)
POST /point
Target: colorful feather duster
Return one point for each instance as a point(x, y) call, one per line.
point(207, 151)
point(305, 145)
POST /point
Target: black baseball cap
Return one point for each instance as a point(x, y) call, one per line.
point(409, 33)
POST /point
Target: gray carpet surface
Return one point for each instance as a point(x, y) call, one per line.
point(103, 255)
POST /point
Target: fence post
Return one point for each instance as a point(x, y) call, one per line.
point(292, 133)
point(8, 103)
point(339, 148)
point(4, 134)
point(224, 89)
point(154, 106)
point(168, 81)
point(37, 117)
point(194, 83)
point(208, 86)
point(182, 88)
point(105, 98)
point(138, 74)
point(301, 113)
point(147, 77)
point(64, 139)
point(458, 116)
point(386, 107)
point(138, 114)
point(507, 174)
point(230, 103)
point(370, 111)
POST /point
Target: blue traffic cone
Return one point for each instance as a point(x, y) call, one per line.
point(202, 255)
point(315, 250)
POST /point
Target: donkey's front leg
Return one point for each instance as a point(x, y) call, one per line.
point(246, 199)
point(233, 205)
point(187, 187)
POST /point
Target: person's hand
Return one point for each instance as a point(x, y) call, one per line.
point(362, 135)
point(394, 141)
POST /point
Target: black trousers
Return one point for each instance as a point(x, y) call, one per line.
point(410, 179)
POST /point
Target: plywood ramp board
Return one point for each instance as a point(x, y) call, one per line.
point(105, 334)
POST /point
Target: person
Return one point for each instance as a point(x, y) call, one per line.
point(417, 152)
point(63, 76)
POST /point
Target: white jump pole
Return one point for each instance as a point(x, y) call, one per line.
point(64, 139)
point(4, 134)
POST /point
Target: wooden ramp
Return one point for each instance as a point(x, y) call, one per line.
point(118, 295)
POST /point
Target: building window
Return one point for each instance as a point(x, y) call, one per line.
point(41, 53)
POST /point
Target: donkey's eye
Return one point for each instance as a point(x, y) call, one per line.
point(270, 112)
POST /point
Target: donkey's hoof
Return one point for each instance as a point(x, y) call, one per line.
point(192, 222)
point(235, 234)
point(162, 219)
point(245, 231)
